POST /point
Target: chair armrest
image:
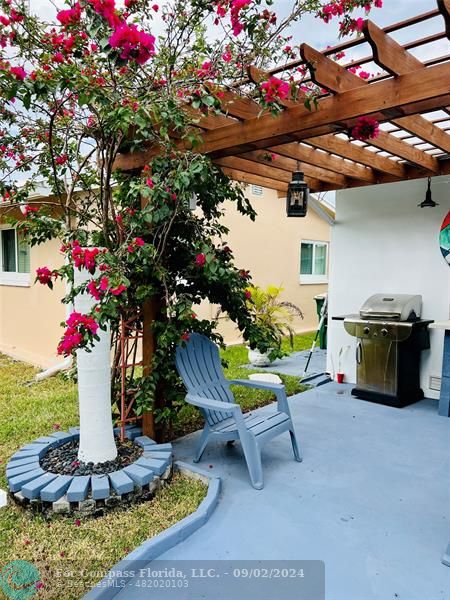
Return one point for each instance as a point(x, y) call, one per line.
point(210, 404)
point(278, 389)
point(264, 385)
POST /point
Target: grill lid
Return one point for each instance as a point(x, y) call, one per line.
point(399, 307)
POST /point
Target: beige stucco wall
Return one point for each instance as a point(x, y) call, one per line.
point(30, 316)
point(270, 249)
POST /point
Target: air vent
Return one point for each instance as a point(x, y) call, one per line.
point(435, 383)
point(257, 190)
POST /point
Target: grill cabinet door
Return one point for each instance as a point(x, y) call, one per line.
point(377, 365)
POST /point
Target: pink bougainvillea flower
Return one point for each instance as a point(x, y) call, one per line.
point(364, 75)
point(118, 290)
point(39, 585)
point(107, 9)
point(4, 20)
point(93, 290)
point(28, 209)
point(150, 183)
point(139, 242)
point(56, 426)
point(275, 89)
point(71, 16)
point(44, 276)
point(133, 43)
point(155, 7)
point(18, 72)
point(366, 128)
point(77, 522)
point(62, 159)
point(248, 294)
point(104, 284)
point(15, 17)
point(226, 56)
point(200, 259)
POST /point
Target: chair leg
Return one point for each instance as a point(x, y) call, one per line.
point(252, 455)
point(202, 444)
point(295, 446)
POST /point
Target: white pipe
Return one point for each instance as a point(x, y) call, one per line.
point(62, 366)
point(94, 389)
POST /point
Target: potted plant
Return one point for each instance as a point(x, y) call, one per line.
point(274, 318)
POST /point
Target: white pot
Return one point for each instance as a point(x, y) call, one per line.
point(258, 359)
point(94, 388)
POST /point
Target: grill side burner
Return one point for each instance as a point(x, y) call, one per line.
point(388, 349)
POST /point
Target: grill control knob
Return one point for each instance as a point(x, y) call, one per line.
point(366, 330)
point(384, 332)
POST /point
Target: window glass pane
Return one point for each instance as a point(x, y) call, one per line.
point(9, 250)
point(23, 254)
point(320, 260)
point(306, 259)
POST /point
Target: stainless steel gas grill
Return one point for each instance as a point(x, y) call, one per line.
point(390, 338)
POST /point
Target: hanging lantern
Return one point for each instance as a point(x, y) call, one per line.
point(297, 196)
point(428, 202)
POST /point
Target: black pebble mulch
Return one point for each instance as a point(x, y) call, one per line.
point(64, 459)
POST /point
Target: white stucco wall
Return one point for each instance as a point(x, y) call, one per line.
point(383, 243)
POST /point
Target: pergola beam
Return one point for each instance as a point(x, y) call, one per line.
point(289, 164)
point(444, 9)
point(254, 168)
point(392, 57)
point(336, 79)
point(308, 155)
point(406, 93)
point(336, 145)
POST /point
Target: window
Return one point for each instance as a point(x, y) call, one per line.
point(14, 259)
point(257, 190)
point(314, 262)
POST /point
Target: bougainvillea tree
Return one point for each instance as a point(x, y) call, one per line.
point(106, 77)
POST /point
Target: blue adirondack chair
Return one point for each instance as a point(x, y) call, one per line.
point(199, 366)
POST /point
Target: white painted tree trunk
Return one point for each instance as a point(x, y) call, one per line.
point(94, 389)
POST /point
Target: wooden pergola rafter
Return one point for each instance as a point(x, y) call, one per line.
point(412, 142)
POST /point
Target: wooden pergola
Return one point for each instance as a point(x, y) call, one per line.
point(409, 98)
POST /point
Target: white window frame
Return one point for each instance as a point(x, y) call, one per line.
point(314, 279)
point(9, 277)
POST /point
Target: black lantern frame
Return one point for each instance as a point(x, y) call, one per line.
point(297, 196)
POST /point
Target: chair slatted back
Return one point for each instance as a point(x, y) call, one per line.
point(199, 366)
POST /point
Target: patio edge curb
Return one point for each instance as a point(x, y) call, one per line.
point(152, 548)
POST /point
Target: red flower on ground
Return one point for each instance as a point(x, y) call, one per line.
point(133, 43)
point(366, 128)
point(200, 260)
point(77, 522)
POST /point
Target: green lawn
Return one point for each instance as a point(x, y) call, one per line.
point(190, 418)
point(58, 543)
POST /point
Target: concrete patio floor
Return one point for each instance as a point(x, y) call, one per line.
point(371, 499)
